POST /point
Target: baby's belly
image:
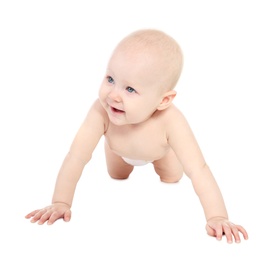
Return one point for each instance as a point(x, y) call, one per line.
point(134, 151)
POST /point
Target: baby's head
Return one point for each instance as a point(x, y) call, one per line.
point(141, 74)
point(155, 53)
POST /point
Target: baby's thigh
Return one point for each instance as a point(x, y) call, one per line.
point(116, 166)
point(169, 168)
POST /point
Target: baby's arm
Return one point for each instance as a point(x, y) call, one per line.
point(79, 155)
point(183, 142)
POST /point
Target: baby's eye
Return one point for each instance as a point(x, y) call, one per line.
point(110, 80)
point(130, 89)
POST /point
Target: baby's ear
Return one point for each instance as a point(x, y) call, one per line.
point(167, 99)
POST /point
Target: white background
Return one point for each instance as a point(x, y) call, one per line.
point(52, 60)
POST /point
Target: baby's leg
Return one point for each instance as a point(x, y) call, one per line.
point(116, 166)
point(169, 168)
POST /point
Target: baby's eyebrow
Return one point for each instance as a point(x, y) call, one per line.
point(108, 70)
point(110, 73)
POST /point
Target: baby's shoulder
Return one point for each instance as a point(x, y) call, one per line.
point(172, 118)
point(97, 113)
point(170, 113)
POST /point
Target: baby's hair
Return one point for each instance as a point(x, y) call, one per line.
point(167, 49)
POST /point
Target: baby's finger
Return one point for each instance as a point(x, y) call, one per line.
point(31, 214)
point(210, 231)
point(219, 232)
point(243, 231)
point(228, 233)
point(235, 234)
point(38, 215)
point(53, 217)
point(67, 216)
point(45, 216)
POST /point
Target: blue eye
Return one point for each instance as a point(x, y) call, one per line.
point(110, 80)
point(130, 90)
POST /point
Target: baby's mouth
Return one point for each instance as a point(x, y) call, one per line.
point(115, 110)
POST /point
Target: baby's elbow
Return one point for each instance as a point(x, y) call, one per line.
point(79, 158)
point(193, 172)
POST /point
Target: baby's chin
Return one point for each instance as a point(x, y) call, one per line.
point(126, 122)
point(119, 123)
point(123, 122)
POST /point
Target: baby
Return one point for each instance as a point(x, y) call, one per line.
point(135, 114)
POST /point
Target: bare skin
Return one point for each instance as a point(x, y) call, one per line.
point(136, 115)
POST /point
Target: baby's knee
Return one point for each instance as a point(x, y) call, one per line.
point(119, 175)
point(173, 179)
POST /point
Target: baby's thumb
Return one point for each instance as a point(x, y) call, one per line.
point(210, 231)
point(67, 215)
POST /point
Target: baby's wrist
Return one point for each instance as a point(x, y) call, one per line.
point(217, 217)
point(61, 202)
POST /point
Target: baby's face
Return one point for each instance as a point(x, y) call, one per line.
point(131, 90)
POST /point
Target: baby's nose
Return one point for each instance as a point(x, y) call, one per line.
point(115, 95)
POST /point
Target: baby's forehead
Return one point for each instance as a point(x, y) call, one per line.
point(152, 51)
point(151, 42)
point(143, 45)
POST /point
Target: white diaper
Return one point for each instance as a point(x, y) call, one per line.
point(136, 162)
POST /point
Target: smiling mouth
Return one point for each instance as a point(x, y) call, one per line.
point(115, 110)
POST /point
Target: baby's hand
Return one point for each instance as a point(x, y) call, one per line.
point(51, 214)
point(219, 226)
